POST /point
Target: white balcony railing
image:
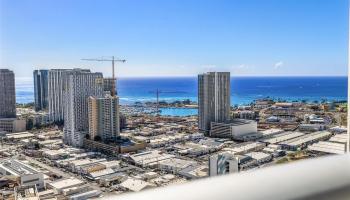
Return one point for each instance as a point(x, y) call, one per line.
point(320, 178)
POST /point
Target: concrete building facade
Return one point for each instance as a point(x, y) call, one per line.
point(12, 125)
point(56, 80)
point(7, 94)
point(40, 78)
point(104, 117)
point(55, 94)
point(213, 99)
point(28, 176)
point(223, 163)
point(108, 85)
point(234, 129)
point(78, 87)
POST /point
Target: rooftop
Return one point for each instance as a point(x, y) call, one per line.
point(149, 157)
point(66, 183)
point(340, 138)
point(135, 184)
point(176, 162)
point(17, 167)
point(237, 122)
point(270, 132)
point(19, 135)
point(283, 137)
point(258, 155)
point(307, 138)
point(328, 147)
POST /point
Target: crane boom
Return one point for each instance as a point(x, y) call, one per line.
point(113, 61)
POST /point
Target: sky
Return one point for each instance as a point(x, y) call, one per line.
point(176, 37)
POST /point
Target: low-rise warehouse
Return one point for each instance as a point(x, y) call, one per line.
point(328, 147)
point(78, 165)
point(338, 129)
point(340, 138)
point(260, 157)
point(60, 185)
point(271, 132)
point(195, 172)
point(85, 195)
point(135, 185)
point(19, 136)
point(245, 148)
point(175, 164)
point(282, 137)
point(197, 149)
point(303, 141)
point(26, 174)
point(311, 127)
point(149, 158)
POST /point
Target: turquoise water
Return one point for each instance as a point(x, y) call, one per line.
point(181, 112)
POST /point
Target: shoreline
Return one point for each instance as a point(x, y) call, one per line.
point(192, 106)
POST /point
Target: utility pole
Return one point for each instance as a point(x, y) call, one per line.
point(113, 60)
point(157, 101)
point(158, 92)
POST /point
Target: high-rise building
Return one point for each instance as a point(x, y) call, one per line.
point(40, 89)
point(122, 121)
point(7, 94)
point(56, 103)
point(104, 118)
point(213, 99)
point(56, 79)
point(79, 85)
point(108, 85)
point(223, 163)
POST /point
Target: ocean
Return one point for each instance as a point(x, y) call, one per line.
point(244, 90)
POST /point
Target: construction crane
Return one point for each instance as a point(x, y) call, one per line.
point(113, 60)
point(157, 92)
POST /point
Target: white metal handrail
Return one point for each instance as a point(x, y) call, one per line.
point(319, 178)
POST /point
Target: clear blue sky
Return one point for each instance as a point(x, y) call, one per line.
point(177, 37)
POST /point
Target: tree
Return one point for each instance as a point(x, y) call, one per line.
point(187, 101)
point(38, 126)
point(36, 146)
point(29, 125)
point(98, 138)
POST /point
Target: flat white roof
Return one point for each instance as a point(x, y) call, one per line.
point(50, 141)
point(245, 147)
point(135, 184)
point(176, 162)
point(258, 155)
point(81, 162)
point(307, 138)
point(90, 193)
point(66, 183)
point(272, 131)
point(328, 147)
point(148, 157)
point(54, 152)
point(283, 137)
point(340, 138)
point(19, 135)
point(17, 168)
point(112, 163)
point(102, 172)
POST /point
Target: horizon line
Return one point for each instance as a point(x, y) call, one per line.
point(232, 76)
